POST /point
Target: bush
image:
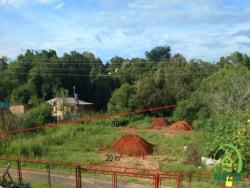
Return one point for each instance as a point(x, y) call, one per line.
point(193, 155)
point(241, 136)
point(228, 129)
point(227, 90)
point(41, 114)
point(36, 116)
point(120, 100)
point(7, 121)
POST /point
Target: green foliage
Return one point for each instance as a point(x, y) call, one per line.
point(151, 92)
point(193, 155)
point(36, 116)
point(241, 137)
point(40, 114)
point(158, 53)
point(227, 90)
point(7, 121)
point(22, 94)
point(235, 58)
point(121, 99)
point(115, 63)
point(228, 129)
point(63, 94)
point(187, 110)
point(102, 88)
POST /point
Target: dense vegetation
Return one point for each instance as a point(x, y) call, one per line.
point(213, 97)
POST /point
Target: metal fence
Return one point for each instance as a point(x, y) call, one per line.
point(111, 176)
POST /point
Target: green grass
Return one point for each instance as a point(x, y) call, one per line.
point(74, 143)
point(85, 144)
point(44, 185)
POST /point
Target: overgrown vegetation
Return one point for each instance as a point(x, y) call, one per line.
point(213, 97)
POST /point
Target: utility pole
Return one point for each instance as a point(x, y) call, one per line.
point(74, 88)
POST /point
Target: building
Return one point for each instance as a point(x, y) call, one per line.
point(69, 106)
point(4, 105)
point(19, 109)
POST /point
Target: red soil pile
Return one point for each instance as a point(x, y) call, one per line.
point(133, 145)
point(181, 126)
point(159, 122)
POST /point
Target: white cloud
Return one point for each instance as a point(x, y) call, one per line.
point(198, 29)
point(59, 5)
point(19, 3)
point(14, 3)
point(50, 2)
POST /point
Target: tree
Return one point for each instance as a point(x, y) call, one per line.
point(22, 94)
point(236, 58)
point(102, 88)
point(223, 62)
point(225, 91)
point(150, 92)
point(159, 53)
point(3, 63)
point(120, 100)
point(116, 61)
point(178, 60)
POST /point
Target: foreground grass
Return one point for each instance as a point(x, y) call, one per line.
point(90, 142)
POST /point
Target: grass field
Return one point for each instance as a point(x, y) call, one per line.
point(90, 142)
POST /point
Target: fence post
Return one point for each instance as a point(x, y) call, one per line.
point(78, 177)
point(49, 177)
point(189, 180)
point(19, 171)
point(179, 181)
point(114, 180)
point(156, 181)
point(76, 174)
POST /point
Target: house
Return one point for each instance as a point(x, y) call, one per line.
point(69, 106)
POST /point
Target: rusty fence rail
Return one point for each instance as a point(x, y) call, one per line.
point(158, 178)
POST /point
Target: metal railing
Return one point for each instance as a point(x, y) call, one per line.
point(158, 177)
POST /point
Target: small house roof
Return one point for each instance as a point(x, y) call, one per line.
point(70, 100)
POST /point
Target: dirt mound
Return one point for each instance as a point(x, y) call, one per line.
point(159, 122)
point(133, 145)
point(181, 125)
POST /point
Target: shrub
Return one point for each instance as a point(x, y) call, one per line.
point(7, 121)
point(241, 136)
point(193, 157)
point(36, 116)
point(37, 150)
point(228, 129)
point(41, 114)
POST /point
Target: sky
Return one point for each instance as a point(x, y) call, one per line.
point(201, 29)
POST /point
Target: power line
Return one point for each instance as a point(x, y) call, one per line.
point(60, 60)
point(88, 119)
point(77, 68)
point(103, 75)
point(137, 66)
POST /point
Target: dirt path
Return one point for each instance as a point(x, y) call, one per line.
point(68, 181)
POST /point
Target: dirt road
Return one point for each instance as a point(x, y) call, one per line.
point(68, 181)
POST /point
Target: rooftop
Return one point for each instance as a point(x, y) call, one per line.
point(70, 100)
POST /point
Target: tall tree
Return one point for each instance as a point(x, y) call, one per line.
point(159, 53)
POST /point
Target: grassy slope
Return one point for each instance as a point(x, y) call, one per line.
point(84, 143)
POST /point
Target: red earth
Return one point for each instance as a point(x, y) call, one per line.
point(180, 126)
point(133, 145)
point(159, 123)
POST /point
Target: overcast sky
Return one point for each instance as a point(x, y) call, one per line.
point(205, 29)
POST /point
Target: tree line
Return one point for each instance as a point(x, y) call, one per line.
point(213, 97)
point(117, 85)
